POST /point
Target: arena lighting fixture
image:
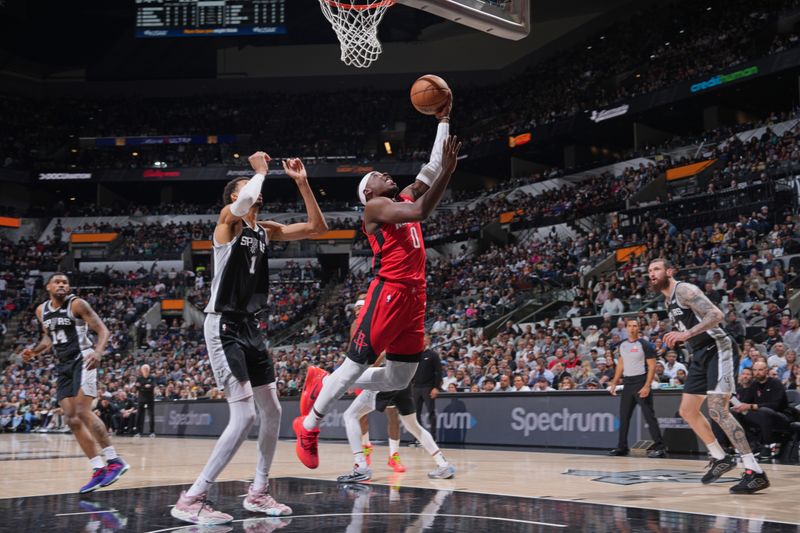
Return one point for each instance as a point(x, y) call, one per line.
point(135, 154)
point(74, 150)
point(388, 147)
point(236, 156)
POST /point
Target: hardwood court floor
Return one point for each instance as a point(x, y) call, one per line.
point(43, 464)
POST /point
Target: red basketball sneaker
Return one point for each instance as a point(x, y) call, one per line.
point(306, 447)
point(394, 462)
point(311, 389)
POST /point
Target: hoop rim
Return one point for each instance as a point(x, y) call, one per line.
point(364, 7)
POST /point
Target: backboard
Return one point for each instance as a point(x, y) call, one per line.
point(509, 19)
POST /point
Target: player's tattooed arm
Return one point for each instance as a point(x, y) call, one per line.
point(718, 410)
point(709, 314)
point(415, 190)
point(84, 311)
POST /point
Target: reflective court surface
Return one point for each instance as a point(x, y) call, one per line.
point(330, 506)
point(494, 490)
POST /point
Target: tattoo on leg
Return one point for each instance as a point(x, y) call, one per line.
point(718, 409)
point(96, 428)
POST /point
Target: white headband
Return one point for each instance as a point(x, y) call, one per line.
point(363, 185)
point(359, 303)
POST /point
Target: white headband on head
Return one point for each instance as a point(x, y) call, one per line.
point(363, 185)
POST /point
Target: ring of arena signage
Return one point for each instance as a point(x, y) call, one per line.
point(722, 79)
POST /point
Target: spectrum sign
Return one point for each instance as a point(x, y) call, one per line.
point(721, 79)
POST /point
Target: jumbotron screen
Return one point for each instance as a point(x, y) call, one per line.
point(210, 18)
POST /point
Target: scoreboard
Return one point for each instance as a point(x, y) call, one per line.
point(210, 18)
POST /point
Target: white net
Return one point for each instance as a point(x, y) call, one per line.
point(356, 25)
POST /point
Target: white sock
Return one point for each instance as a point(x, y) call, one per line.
point(750, 463)
point(715, 450)
point(97, 462)
point(269, 412)
point(242, 416)
point(439, 458)
point(312, 420)
point(365, 439)
point(109, 453)
point(360, 459)
point(394, 446)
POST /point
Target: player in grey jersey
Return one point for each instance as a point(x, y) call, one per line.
point(711, 373)
point(236, 348)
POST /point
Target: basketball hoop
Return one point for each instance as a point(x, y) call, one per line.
point(356, 25)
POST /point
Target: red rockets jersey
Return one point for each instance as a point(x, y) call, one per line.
point(399, 252)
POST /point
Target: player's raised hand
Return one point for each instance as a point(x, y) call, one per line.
point(259, 162)
point(450, 154)
point(444, 112)
point(295, 169)
point(27, 354)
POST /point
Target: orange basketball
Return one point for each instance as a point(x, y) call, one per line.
point(429, 94)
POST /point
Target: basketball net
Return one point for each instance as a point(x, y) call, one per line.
point(356, 25)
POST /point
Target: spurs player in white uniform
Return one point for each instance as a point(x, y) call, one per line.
point(236, 348)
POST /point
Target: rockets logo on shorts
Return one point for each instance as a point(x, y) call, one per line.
point(360, 341)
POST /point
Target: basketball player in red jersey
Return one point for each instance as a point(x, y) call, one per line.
point(393, 315)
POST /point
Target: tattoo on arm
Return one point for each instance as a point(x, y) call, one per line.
point(718, 409)
point(709, 314)
point(84, 311)
point(416, 189)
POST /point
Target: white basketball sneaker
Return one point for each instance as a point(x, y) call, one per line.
point(198, 510)
point(262, 502)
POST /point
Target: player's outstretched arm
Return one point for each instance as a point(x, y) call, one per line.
point(315, 225)
point(384, 211)
point(84, 311)
point(709, 314)
point(44, 344)
point(431, 171)
point(244, 199)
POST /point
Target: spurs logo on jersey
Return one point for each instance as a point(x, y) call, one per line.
point(241, 274)
point(676, 315)
point(68, 333)
point(684, 319)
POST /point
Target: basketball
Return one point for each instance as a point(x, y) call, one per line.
point(429, 93)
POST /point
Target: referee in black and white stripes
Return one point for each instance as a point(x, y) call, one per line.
point(637, 364)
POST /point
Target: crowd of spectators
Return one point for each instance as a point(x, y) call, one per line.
point(736, 261)
point(20, 264)
point(657, 46)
